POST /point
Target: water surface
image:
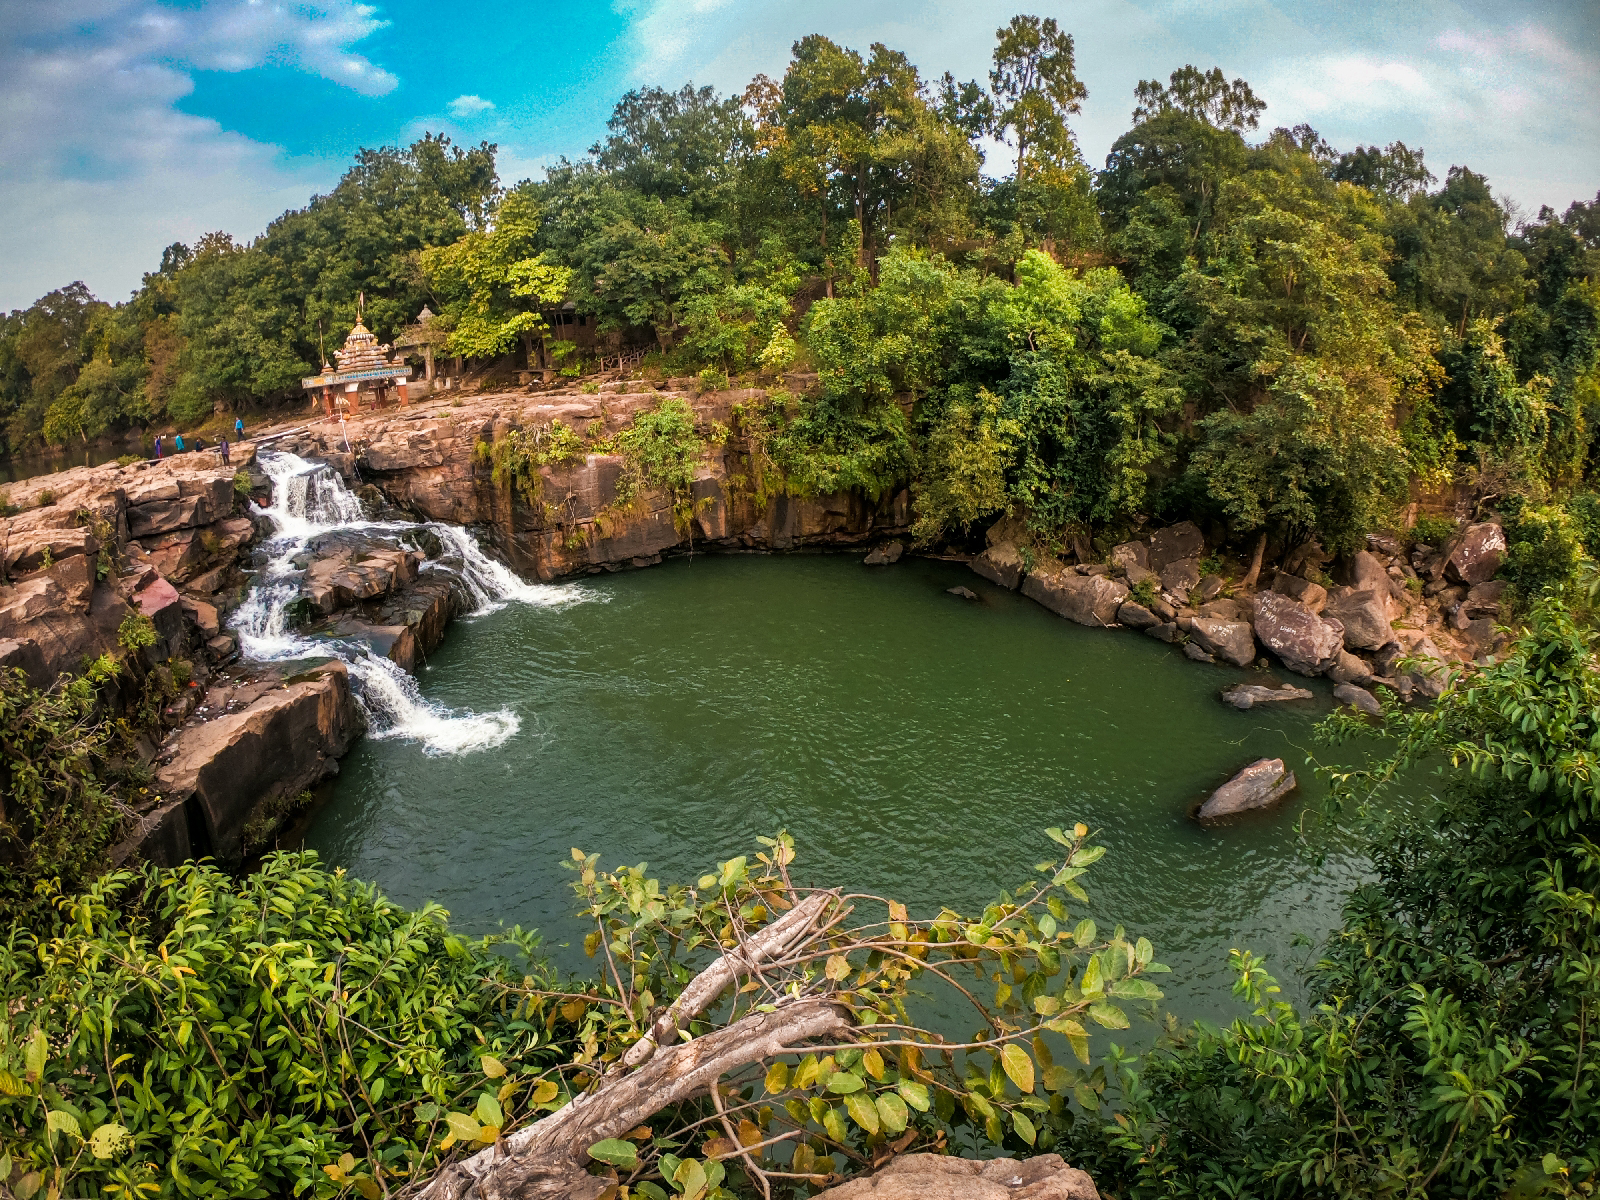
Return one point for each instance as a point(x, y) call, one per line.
point(914, 743)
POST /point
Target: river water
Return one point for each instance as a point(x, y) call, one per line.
point(914, 743)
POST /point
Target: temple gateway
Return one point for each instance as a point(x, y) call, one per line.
point(364, 366)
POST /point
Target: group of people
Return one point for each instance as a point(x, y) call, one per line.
point(200, 443)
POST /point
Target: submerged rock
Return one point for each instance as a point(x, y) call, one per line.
point(965, 593)
point(1358, 697)
point(1245, 696)
point(1261, 784)
point(881, 556)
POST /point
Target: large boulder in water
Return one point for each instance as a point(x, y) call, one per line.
point(1305, 642)
point(1261, 784)
point(1230, 641)
point(1086, 599)
point(945, 1177)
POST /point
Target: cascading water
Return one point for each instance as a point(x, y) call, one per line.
point(308, 500)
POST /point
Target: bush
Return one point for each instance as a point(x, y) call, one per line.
point(1432, 531)
point(291, 1033)
point(1543, 548)
point(136, 632)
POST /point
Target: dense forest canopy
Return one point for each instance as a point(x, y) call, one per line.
point(1244, 323)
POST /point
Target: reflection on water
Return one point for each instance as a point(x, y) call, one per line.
point(914, 743)
point(29, 466)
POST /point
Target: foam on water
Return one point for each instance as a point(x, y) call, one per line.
point(309, 499)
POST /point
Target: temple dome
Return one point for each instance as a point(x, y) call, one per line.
point(361, 351)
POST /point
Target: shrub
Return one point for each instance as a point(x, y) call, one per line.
point(1543, 548)
point(1143, 592)
point(662, 450)
point(241, 483)
point(136, 632)
point(45, 498)
point(1432, 531)
point(127, 460)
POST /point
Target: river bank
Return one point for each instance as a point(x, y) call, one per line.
point(299, 588)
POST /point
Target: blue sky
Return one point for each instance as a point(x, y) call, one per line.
point(128, 124)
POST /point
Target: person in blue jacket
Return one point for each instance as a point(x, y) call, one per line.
point(238, 429)
point(177, 443)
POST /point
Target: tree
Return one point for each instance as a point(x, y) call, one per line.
point(1203, 96)
point(1036, 88)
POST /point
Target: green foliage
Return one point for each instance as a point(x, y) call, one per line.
point(661, 450)
point(184, 1033)
point(1449, 1051)
point(518, 455)
point(56, 812)
point(1433, 531)
point(1544, 548)
point(241, 483)
point(137, 632)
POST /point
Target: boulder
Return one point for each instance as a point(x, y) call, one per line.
point(1358, 697)
point(1366, 572)
point(1001, 563)
point(1163, 610)
point(1245, 696)
point(1175, 542)
point(1484, 599)
point(1197, 653)
point(1475, 555)
point(1177, 578)
point(965, 593)
point(1131, 554)
point(1167, 632)
point(1136, 575)
point(203, 615)
point(1312, 595)
point(1087, 568)
point(1307, 644)
point(1222, 610)
point(881, 556)
point(1349, 668)
point(1136, 616)
point(942, 1177)
point(1210, 588)
point(1263, 783)
point(1231, 641)
point(1365, 616)
point(1086, 599)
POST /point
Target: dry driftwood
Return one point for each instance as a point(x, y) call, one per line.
point(549, 1159)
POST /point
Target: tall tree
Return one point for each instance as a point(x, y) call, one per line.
point(1204, 95)
point(1036, 88)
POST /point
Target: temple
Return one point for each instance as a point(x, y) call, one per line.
point(364, 366)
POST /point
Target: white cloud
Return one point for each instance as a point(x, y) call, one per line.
point(96, 162)
point(469, 106)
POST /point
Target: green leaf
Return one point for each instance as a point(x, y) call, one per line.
point(1024, 1127)
point(616, 1152)
point(1136, 989)
point(1061, 839)
point(1087, 855)
point(914, 1094)
point(648, 1190)
point(844, 1083)
point(63, 1122)
point(690, 1178)
point(833, 1122)
point(462, 1126)
point(28, 1186)
point(1046, 1006)
point(863, 1111)
point(488, 1111)
point(1083, 935)
point(1018, 1066)
point(1091, 981)
point(492, 1067)
point(1108, 1015)
point(1047, 926)
point(892, 1112)
point(34, 1057)
point(104, 1142)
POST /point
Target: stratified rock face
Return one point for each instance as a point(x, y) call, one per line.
point(1230, 641)
point(1261, 784)
point(1365, 616)
point(1086, 599)
point(1245, 696)
point(938, 1177)
point(1305, 642)
point(1175, 542)
point(1476, 554)
point(285, 742)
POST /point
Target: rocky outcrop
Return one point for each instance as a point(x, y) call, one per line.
point(1260, 785)
point(1358, 698)
point(1245, 696)
point(1136, 616)
point(1312, 595)
point(1305, 642)
point(1230, 641)
point(286, 738)
point(941, 1177)
point(1175, 543)
point(1086, 599)
point(1475, 554)
point(1364, 614)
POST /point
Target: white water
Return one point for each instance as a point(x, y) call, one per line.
point(309, 499)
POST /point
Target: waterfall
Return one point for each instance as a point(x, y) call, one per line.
point(309, 499)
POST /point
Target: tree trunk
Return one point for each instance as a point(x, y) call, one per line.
point(1249, 581)
point(549, 1159)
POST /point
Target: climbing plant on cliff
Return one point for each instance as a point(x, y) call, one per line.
point(1452, 1050)
point(661, 449)
point(56, 810)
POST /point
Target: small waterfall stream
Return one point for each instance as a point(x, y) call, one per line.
point(308, 500)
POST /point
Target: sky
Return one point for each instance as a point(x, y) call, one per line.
point(126, 125)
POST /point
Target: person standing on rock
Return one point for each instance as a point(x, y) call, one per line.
point(222, 444)
point(177, 443)
point(238, 429)
point(158, 447)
